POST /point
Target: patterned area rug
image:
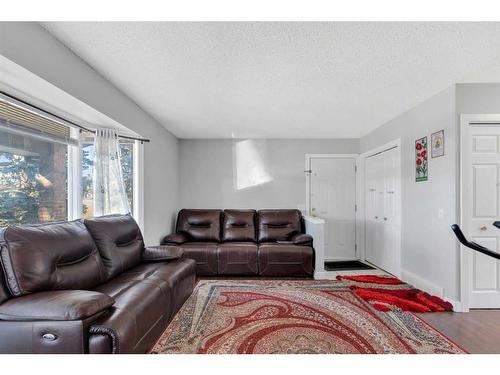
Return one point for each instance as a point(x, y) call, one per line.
point(388, 293)
point(296, 316)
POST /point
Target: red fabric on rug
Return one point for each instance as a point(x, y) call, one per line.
point(372, 279)
point(405, 298)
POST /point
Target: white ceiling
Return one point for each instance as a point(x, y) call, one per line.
point(281, 80)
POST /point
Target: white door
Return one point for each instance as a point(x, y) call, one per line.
point(382, 212)
point(333, 198)
point(480, 207)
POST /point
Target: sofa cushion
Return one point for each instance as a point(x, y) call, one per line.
point(147, 296)
point(119, 241)
point(4, 290)
point(205, 255)
point(139, 308)
point(278, 225)
point(237, 258)
point(285, 260)
point(238, 225)
point(200, 225)
point(55, 305)
point(50, 257)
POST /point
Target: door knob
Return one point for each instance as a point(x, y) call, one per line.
point(376, 217)
point(483, 228)
point(385, 218)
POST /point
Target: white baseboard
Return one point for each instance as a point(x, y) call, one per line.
point(457, 305)
point(320, 275)
point(429, 287)
point(421, 283)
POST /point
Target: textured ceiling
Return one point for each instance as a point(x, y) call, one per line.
point(281, 80)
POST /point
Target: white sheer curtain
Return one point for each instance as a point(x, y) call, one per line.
point(109, 190)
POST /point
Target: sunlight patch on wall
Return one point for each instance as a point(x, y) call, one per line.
point(249, 165)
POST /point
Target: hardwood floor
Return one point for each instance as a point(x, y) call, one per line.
point(477, 331)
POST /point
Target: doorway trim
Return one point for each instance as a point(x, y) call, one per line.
point(307, 171)
point(361, 187)
point(465, 254)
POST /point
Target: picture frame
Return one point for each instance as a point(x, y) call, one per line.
point(437, 144)
point(421, 160)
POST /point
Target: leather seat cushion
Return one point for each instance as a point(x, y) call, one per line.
point(285, 260)
point(140, 312)
point(205, 255)
point(147, 296)
point(237, 258)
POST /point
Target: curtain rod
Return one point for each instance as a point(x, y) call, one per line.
point(142, 140)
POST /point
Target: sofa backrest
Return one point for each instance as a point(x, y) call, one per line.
point(4, 291)
point(278, 225)
point(238, 225)
point(119, 240)
point(50, 257)
point(200, 225)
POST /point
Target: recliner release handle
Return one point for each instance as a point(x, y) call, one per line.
point(49, 337)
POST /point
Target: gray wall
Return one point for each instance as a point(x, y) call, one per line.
point(209, 175)
point(429, 249)
point(478, 98)
point(33, 48)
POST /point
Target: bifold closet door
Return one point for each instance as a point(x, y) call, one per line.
point(374, 208)
point(382, 210)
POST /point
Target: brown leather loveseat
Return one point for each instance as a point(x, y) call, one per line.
point(244, 242)
point(86, 287)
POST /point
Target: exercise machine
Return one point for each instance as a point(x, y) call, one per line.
point(472, 245)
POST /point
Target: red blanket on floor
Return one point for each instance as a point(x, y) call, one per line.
point(383, 296)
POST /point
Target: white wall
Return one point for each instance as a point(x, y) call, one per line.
point(429, 249)
point(30, 46)
point(209, 171)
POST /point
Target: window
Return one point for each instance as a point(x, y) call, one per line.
point(127, 162)
point(39, 168)
point(33, 180)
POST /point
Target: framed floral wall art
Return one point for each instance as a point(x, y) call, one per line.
point(421, 164)
point(437, 144)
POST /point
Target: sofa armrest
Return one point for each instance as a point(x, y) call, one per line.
point(175, 238)
point(301, 239)
point(161, 253)
point(61, 305)
point(43, 337)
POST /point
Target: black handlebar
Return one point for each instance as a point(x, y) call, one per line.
point(472, 245)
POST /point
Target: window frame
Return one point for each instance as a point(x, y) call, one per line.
point(75, 204)
point(75, 177)
point(138, 199)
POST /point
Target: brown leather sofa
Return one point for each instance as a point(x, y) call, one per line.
point(244, 242)
point(87, 287)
